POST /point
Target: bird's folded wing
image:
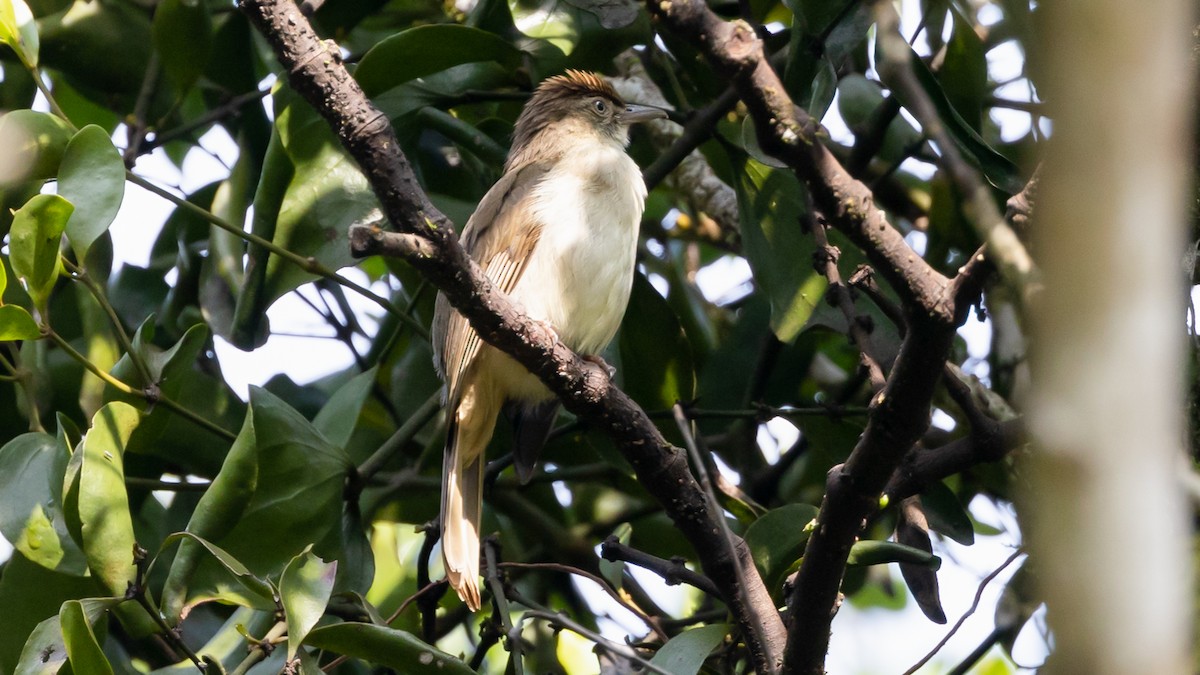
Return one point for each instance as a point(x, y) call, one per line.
point(500, 236)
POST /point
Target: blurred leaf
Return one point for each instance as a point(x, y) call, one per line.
point(182, 32)
point(654, 351)
point(33, 245)
point(304, 591)
point(874, 552)
point(946, 514)
point(251, 326)
point(858, 102)
point(386, 647)
point(92, 178)
point(17, 324)
point(998, 169)
point(83, 651)
point(685, 653)
point(424, 50)
point(1018, 601)
point(913, 530)
point(611, 13)
point(106, 526)
point(777, 539)
point(30, 513)
point(963, 74)
point(18, 30)
point(772, 208)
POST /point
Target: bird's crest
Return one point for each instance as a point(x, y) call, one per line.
point(550, 102)
point(576, 83)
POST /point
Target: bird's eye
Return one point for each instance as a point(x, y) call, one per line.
point(600, 106)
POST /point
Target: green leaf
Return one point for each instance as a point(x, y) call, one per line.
point(338, 418)
point(17, 324)
point(771, 208)
point(385, 646)
point(947, 515)
point(304, 591)
point(247, 589)
point(874, 552)
point(998, 169)
point(655, 353)
point(30, 593)
point(685, 653)
point(297, 500)
point(106, 526)
point(36, 232)
point(83, 650)
point(777, 539)
point(182, 34)
point(18, 30)
point(425, 50)
point(45, 651)
point(327, 194)
point(34, 143)
point(92, 178)
point(963, 74)
point(219, 509)
point(30, 514)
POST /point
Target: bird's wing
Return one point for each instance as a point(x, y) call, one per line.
point(500, 236)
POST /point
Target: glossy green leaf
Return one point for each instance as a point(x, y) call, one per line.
point(385, 646)
point(874, 552)
point(777, 539)
point(229, 581)
point(30, 593)
point(45, 652)
point(30, 515)
point(182, 32)
point(36, 232)
point(771, 209)
point(424, 50)
point(17, 324)
point(339, 416)
point(655, 350)
point(304, 590)
point(18, 30)
point(83, 650)
point(92, 178)
point(106, 526)
point(685, 653)
point(326, 195)
point(219, 509)
point(34, 144)
point(297, 500)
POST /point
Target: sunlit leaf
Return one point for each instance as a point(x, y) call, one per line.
point(30, 515)
point(92, 178)
point(17, 324)
point(36, 232)
point(83, 650)
point(304, 591)
point(106, 525)
point(18, 30)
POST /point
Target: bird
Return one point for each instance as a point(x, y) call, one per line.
point(558, 233)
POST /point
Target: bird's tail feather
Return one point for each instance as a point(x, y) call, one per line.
point(462, 505)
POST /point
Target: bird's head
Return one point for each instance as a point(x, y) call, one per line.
point(573, 102)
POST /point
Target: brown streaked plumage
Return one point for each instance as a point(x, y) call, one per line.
point(557, 233)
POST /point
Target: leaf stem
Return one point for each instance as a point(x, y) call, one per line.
point(80, 274)
point(54, 107)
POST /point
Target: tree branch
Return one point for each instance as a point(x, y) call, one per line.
point(315, 71)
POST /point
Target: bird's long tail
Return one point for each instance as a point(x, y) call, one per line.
point(462, 503)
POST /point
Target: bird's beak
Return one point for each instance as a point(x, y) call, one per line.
point(640, 113)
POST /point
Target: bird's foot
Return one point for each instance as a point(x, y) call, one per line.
point(601, 364)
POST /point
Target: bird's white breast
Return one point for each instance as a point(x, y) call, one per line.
point(581, 270)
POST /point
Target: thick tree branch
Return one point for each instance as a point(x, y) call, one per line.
point(315, 71)
point(900, 411)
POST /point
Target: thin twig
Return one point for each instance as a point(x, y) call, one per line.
point(970, 610)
